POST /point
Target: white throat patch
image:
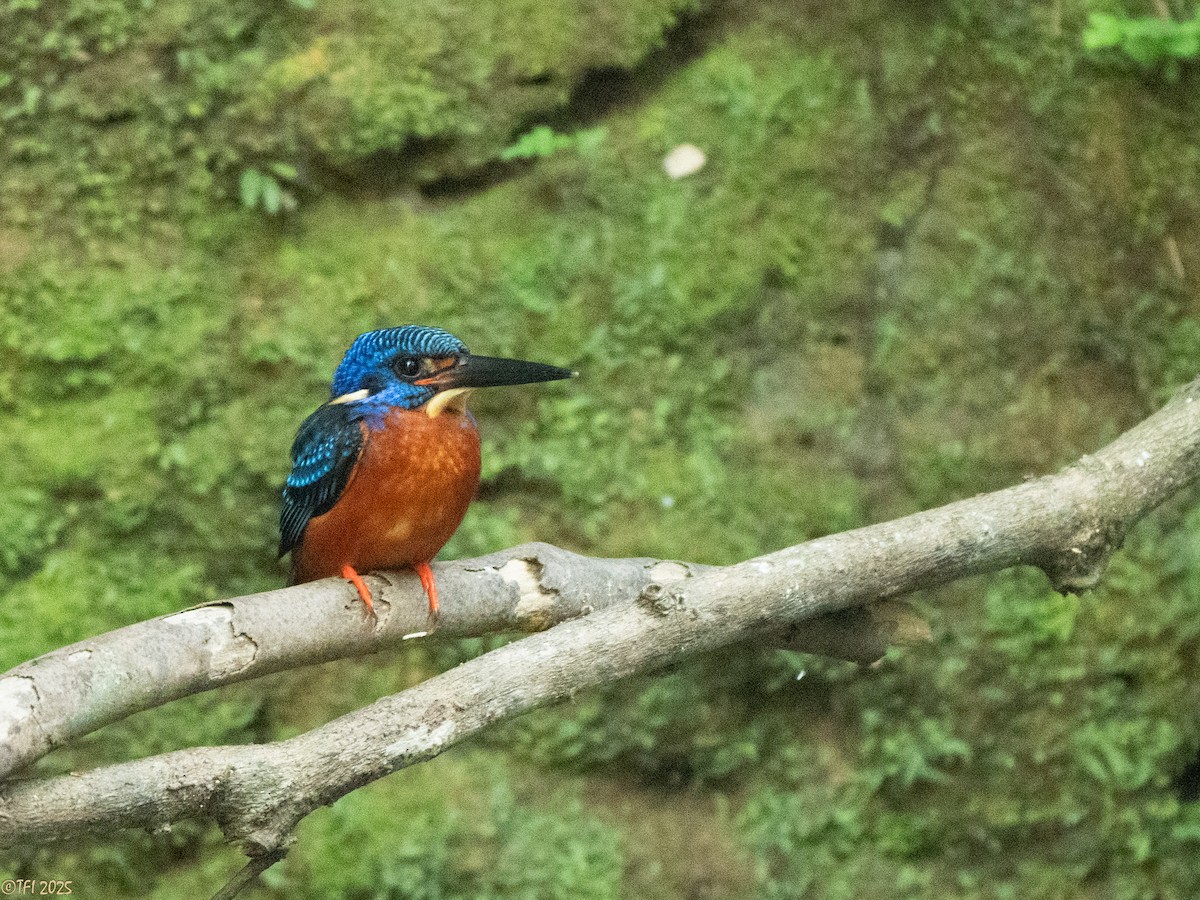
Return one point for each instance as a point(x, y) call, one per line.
point(449, 400)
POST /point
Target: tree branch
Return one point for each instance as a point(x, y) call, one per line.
point(65, 694)
point(1068, 524)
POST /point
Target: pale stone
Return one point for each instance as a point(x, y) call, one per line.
point(684, 160)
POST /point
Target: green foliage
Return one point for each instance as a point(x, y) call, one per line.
point(910, 756)
point(30, 524)
point(687, 727)
point(1151, 43)
point(264, 189)
point(401, 839)
point(558, 853)
point(542, 142)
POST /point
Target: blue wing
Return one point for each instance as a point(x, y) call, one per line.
point(323, 457)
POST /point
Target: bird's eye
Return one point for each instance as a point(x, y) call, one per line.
point(408, 367)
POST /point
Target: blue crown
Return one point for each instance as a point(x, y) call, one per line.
point(375, 348)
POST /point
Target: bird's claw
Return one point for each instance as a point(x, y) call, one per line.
point(425, 573)
point(364, 592)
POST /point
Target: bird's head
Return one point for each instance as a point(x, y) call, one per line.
point(415, 366)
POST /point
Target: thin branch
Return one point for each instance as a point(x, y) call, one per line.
point(1068, 524)
point(249, 873)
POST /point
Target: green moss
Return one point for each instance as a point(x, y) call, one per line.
point(74, 595)
point(177, 99)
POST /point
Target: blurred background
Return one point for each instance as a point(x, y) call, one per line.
point(934, 248)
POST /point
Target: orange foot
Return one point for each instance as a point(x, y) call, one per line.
point(426, 575)
point(364, 592)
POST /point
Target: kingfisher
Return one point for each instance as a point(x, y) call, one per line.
point(383, 472)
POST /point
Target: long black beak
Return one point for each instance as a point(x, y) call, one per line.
point(491, 371)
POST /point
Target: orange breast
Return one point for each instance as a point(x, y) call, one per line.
point(409, 492)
